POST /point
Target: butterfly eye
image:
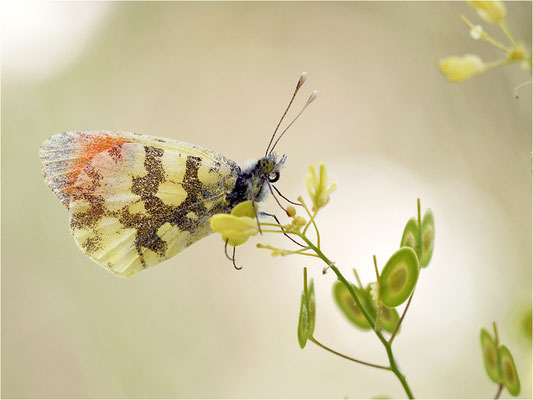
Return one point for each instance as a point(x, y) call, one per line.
point(275, 178)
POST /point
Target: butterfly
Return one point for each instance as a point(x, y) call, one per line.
point(137, 200)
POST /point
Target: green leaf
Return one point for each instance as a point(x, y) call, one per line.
point(411, 236)
point(428, 238)
point(509, 374)
point(490, 355)
point(303, 321)
point(312, 308)
point(347, 305)
point(398, 278)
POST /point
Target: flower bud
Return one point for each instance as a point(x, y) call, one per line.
point(490, 11)
point(458, 69)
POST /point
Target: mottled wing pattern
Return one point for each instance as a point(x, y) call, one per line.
point(134, 205)
point(66, 154)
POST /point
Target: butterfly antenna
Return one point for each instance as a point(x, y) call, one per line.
point(301, 81)
point(309, 101)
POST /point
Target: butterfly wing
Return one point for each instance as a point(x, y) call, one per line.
point(65, 155)
point(133, 205)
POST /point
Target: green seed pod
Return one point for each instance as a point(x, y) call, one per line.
point(347, 305)
point(490, 355)
point(303, 322)
point(509, 374)
point(312, 307)
point(411, 236)
point(398, 278)
point(428, 238)
point(389, 317)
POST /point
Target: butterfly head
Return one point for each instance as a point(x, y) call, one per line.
point(270, 167)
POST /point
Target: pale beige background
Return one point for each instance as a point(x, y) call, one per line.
point(386, 123)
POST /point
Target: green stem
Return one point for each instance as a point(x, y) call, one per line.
point(378, 283)
point(486, 37)
point(312, 339)
point(401, 319)
point(393, 367)
point(311, 220)
point(507, 32)
point(357, 278)
point(305, 283)
point(498, 63)
point(396, 371)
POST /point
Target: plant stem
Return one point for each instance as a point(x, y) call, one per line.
point(485, 36)
point(507, 32)
point(401, 319)
point(378, 283)
point(498, 63)
point(499, 392)
point(496, 338)
point(311, 220)
point(396, 370)
point(357, 278)
point(312, 339)
point(393, 367)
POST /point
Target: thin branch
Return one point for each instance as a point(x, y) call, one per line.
point(312, 339)
point(401, 318)
point(499, 392)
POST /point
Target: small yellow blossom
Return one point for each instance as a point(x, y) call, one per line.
point(458, 69)
point(490, 11)
point(275, 251)
point(291, 211)
point(296, 224)
point(517, 53)
point(317, 187)
point(238, 226)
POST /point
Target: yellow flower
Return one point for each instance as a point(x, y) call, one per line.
point(238, 226)
point(517, 53)
point(458, 69)
point(275, 251)
point(490, 11)
point(291, 211)
point(317, 187)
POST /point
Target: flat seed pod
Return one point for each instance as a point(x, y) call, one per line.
point(389, 317)
point(303, 322)
point(312, 307)
point(428, 238)
point(398, 278)
point(347, 305)
point(509, 374)
point(490, 355)
point(411, 236)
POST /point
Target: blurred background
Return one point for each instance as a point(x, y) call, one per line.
point(387, 124)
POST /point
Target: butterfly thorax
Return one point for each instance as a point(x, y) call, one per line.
point(252, 181)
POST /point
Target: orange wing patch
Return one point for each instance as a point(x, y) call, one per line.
point(65, 155)
point(87, 149)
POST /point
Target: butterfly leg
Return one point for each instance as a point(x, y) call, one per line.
point(232, 258)
point(279, 223)
point(286, 199)
point(251, 189)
